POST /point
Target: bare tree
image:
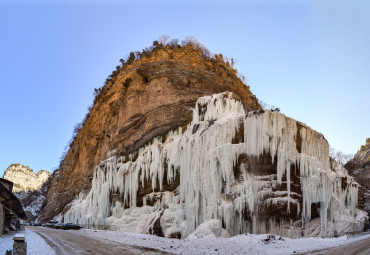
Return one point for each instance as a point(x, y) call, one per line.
point(332, 152)
point(163, 39)
point(340, 156)
point(190, 40)
point(233, 62)
point(174, 43)
point(262, 104)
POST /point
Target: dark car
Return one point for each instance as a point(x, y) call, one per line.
point(70, 226)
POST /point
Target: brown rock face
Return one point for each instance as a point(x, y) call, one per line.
point(126, 115)
point(359, 167)
point(264, 170)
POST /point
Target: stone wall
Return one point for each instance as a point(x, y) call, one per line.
point(20, 248)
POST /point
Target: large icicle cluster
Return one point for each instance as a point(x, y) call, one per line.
point(205, 160)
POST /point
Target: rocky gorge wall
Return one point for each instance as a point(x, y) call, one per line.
point(359, 168)
point(257, 172)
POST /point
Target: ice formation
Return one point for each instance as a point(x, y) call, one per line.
point(205, 160)
point(209, 229)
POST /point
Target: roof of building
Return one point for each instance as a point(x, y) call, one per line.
point(12, 202)
point(8, 184)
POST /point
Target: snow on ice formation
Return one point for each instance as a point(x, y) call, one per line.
point(203, 158)
point(209, 229)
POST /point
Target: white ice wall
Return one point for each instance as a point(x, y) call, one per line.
point(208, 190)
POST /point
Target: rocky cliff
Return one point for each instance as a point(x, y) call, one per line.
point(144, 99)
point(359, 167)
point(175, 139)
point(256, 172)
point(24, 179)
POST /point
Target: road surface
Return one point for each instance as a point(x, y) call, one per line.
point(361, 247)
point(72, 242)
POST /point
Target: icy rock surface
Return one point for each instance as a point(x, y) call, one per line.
point(260, 172)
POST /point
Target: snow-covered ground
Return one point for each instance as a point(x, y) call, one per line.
point(35, 244)
point(241, 244)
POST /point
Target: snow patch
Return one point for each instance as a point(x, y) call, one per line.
point(240, 244)
point(209, 229)
point(35, 244)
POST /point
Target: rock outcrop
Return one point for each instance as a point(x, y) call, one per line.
point(29, 187)
point(359, 167)
point(24, 179)
point(147, 98)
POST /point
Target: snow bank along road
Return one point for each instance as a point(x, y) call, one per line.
point(361, 247)
point(35, 244)
point(73, 242)
point(87, 241)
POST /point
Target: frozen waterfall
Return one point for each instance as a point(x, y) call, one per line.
point(213, 182)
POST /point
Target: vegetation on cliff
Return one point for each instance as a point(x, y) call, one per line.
point(190, 43)
point(361, 158)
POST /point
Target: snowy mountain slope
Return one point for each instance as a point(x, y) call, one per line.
point(33, 201)
point(260, 172)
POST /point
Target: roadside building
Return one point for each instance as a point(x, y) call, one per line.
point(11, 210)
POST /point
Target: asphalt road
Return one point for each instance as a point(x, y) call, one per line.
point(71, 242)
point(361, 247)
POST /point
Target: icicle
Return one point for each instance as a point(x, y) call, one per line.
point(204, 157)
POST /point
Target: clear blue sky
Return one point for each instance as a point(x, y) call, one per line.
point(309, 58)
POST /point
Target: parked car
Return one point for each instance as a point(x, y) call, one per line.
point(70, 226)
point(37, 224)
point(51, 223)
point(58, 225)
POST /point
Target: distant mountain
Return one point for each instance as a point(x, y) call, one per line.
point(29, 187)
point(24, 179)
